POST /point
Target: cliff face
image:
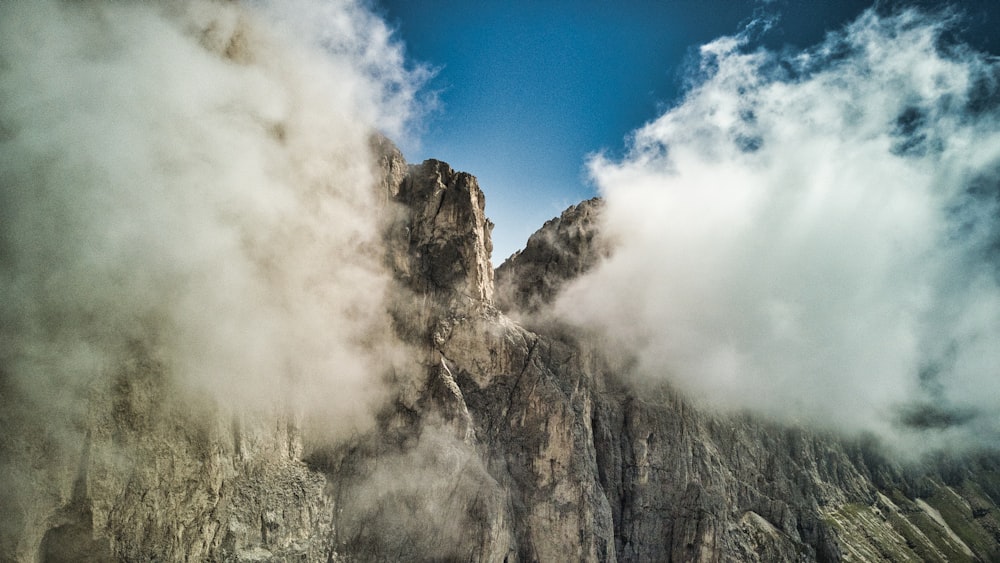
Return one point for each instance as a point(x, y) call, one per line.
point(503, 444)
point(688, 485)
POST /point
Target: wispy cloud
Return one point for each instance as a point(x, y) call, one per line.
point(813, 236)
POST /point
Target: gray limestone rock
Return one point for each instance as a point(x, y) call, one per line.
point(445, 233)
point(564, 248)
point(505, 444)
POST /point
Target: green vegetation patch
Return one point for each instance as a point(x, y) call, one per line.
point(959, 515)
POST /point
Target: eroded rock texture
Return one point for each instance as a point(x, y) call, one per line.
point(561, 250)
point(503, 444)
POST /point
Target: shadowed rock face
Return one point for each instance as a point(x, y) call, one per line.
point(505, 444)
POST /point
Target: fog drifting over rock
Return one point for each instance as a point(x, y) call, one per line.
point(192, 182)
point(813, 235)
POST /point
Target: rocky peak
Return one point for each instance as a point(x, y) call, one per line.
point(440, 237)
point(564, 248)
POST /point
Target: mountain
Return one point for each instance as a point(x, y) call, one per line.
point(500, 440)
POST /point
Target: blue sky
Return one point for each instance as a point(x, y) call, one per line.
point(527, 90)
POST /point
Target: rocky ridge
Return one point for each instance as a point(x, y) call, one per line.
point(564, 248)
point(505, 444)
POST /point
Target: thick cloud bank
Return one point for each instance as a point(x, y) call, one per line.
point(815, 236)
point(191, 182)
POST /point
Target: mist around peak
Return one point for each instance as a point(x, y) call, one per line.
point(813, 235)
point(189, 185)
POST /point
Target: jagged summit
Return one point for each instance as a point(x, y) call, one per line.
point(440, 240)
point(564, 248)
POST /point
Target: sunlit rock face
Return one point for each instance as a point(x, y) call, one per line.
point(439, 243)
point(561, 250)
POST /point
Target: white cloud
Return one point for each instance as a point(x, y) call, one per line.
point(804, 235)
point(194, 179)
